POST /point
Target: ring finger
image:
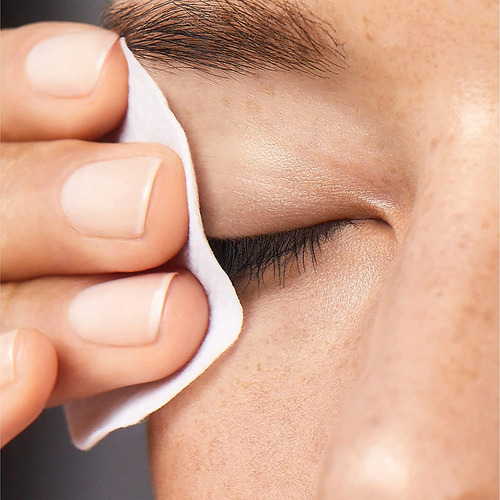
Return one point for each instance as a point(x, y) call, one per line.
point(110, 333)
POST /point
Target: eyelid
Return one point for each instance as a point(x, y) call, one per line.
point(251, 256)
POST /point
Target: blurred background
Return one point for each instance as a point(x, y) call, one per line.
point(41, 463)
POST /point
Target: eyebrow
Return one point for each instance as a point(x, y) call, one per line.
point(221, 37)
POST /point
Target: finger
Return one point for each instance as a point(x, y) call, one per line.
point(70, 207)
point(111, 334)
point(58, 78)
point(29, 368)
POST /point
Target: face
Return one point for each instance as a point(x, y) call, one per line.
point(368, 365)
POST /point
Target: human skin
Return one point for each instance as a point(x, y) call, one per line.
point(376, 374)
point(347, 381)
point(62, 338)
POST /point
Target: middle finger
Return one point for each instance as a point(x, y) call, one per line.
point(71, 207)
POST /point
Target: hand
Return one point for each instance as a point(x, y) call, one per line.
point(74, 214)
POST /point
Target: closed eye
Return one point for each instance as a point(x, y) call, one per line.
point(250, 257)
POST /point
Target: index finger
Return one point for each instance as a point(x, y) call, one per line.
point(61, 80)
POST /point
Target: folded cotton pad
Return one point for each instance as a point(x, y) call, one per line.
point(149, 119)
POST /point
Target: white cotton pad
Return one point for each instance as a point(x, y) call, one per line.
point(149, 119)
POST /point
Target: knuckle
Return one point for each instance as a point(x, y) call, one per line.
point(8, 292)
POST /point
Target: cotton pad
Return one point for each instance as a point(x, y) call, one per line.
point(149, 119)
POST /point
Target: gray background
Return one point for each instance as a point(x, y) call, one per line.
point(41, 463)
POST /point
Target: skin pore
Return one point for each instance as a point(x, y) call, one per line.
point(374, 373)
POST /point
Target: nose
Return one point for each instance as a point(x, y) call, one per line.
point(423, 421)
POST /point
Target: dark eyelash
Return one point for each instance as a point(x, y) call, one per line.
point(251, 256)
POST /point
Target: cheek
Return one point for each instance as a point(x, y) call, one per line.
point(258, 420)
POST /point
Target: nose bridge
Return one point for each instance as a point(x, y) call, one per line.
point(443, 289)
point(423, 421)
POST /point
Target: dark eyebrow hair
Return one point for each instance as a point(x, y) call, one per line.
point(227, 36)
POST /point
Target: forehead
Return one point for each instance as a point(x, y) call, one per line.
point(406, 40)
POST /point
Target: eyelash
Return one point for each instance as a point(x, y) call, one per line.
point(252, 256)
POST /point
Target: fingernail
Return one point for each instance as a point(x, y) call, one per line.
point(7, 354)
point(123, 312)
point(69, 65)
point(110, 199)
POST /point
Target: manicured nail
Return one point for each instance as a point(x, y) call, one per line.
point(69, 65)
point(7, 355)
point(123, 312)
point(110, 199)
